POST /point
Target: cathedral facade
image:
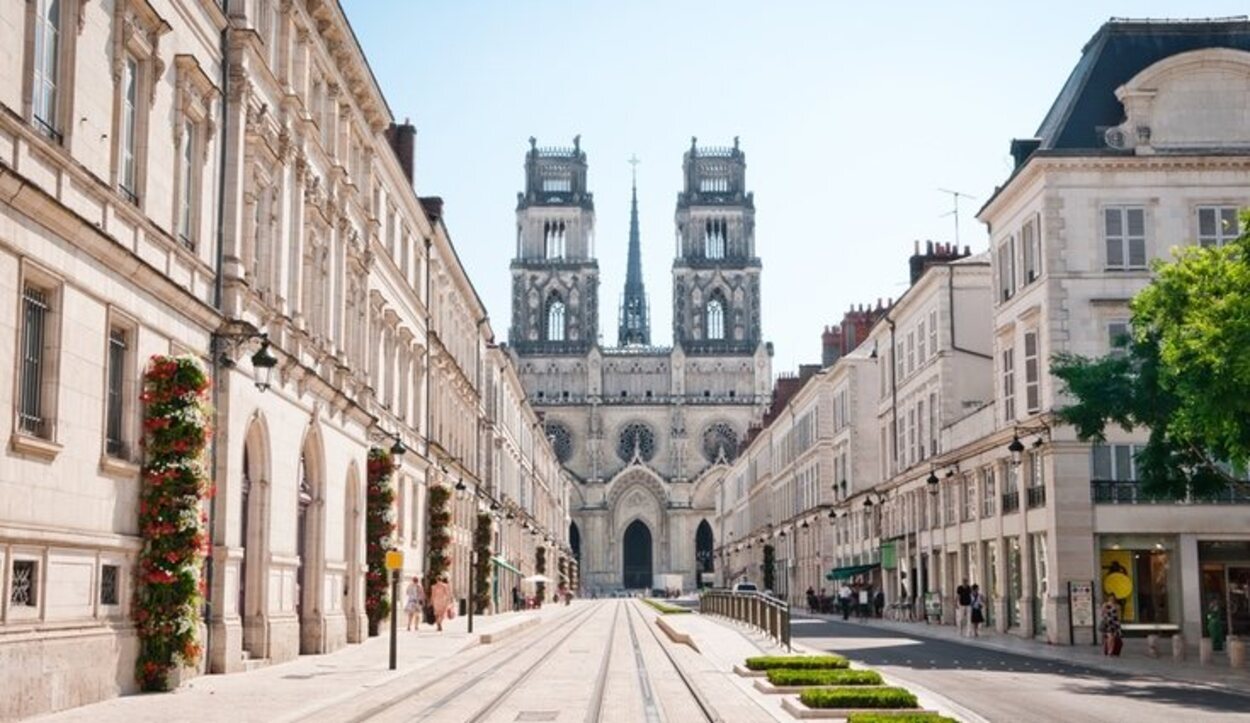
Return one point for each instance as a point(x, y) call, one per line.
point(645, 430)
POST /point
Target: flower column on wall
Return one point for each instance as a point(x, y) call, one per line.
point(379, 528)
point(440, 538)
point(481, 567)
point(172, 519)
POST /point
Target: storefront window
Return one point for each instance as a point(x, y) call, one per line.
point(1014, 587)
point(1226, 584)
point(1041, 582)
point(1140, 572)
point(992, 590)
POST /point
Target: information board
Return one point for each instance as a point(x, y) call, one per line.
point(1081, 602)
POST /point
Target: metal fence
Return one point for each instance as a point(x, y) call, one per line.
point(762, 612)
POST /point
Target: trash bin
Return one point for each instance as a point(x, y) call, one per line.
point(1215, 629)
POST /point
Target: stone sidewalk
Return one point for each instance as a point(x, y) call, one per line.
point(1134, 659)
point(293, 690)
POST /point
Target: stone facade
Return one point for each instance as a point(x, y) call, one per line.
point(1141, 153)
point(642, 429)
point(161, 197)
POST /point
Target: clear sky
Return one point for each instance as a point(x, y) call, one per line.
point(851, 115)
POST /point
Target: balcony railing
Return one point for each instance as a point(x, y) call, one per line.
point(1011, 502)
point(1036, 497)
point(1115, 492)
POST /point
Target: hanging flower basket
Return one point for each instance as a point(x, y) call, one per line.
point(437, 562)
point(172, 519)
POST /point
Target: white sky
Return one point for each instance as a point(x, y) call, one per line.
point(851, 116)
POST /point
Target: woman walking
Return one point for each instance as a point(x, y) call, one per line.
point(978, 611)
point(440, 601)
point(1110, 624)
point(415, 595)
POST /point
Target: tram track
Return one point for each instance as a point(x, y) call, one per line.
point(705, 707)
point(476, 656)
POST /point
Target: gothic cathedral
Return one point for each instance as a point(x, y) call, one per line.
point(646, 431)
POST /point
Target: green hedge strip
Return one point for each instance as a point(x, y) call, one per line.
point(797, 662)
point(858, 698)
point(899, 718)
point(665, 608)
point(792, 676)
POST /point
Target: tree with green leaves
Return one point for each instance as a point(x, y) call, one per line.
point(1183, 373)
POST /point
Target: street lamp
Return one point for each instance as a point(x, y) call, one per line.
point(263, 362)
point(1016, 448)
point(933, 482)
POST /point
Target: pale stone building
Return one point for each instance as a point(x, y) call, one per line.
point(161, 198)
point(640, 428)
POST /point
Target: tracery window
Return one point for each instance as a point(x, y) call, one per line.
point(716, 318)
point(561, 441)
point(720, 440)
point(555, 318)
point(636, 438)
point(714, 238)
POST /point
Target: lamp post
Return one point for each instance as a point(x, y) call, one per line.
point(263, 361)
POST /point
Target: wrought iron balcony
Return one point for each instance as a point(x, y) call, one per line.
point(1011, 502)
point(1036, 497)
point(1130, 492)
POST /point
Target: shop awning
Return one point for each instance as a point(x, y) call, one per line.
point(504, 564)
point(845, 573)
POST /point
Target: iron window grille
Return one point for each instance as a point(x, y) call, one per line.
point(109, 594)
point(35, 315)
point(24, 590)
point(115, 443)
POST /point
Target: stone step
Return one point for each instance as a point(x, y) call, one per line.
point(250, 663)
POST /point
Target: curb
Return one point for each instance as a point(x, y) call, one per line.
point(504, 632)
point(675, 635)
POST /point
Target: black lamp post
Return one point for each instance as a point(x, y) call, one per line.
point(1016, 448)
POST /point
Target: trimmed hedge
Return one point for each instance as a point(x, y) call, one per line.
point(665, 608)
point(858, 698)
point(791, 676)
point(796, 662)
point(899, 718)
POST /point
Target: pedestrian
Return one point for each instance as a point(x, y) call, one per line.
point(811, 599)
point(1112, 641)
point(963, 596)
point(415, 601)
point(822, 601)
point(844, 600)
point(977, 610)
point(878, 602)
point(516, 599)
point(440, 600)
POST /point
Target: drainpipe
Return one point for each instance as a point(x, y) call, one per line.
point(215, 366)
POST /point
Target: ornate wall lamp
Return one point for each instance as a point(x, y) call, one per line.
point(263, 362)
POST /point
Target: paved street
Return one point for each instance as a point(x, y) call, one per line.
point(1004, 686)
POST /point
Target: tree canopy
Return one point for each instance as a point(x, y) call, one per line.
point(1184, 374)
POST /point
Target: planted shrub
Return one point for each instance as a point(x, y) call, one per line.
point(858, 698)
point(899, 718)
point(798, 662)
point(792, 676)
point(665, 608)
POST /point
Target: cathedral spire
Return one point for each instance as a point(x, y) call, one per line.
point(635, 327)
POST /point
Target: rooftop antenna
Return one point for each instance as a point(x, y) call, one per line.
point(955, 196)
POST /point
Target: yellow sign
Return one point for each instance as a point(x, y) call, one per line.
point(394, 560)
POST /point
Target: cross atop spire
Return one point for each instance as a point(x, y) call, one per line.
point(634, 328)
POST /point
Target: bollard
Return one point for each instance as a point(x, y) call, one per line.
point(1178, 647)
point(1152, 645)
point(1204, 651)
point(1236, 652)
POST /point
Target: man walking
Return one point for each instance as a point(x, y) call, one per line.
point(844, 600)
point(963, 595)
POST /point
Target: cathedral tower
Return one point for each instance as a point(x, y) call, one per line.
point(716, 275)
point(555, 278)
point(635, 326)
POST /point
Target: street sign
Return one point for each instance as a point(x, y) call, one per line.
point(1081, 609)
point(394, 560)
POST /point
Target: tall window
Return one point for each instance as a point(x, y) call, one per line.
point(127, 176)
point(1114, 462)
point(1029, 239)
point(1118, 337)
point(920, 430)
point(1009, 384)
point(555, 319)
point(1007, 268)
point(921, 339)
point(933, 333)
point(1032, 374)
point(715, 319)
point(553, 239)
point(1124, 231)
point(898, 361)
point(933, 423)
point(714, 238)
point(115, 433)
point(186, 202)
point(911, 352)
point(988, 496)
point(47, 65)
point(32, 413)
point(1217, 225)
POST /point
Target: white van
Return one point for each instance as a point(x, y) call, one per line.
point(745, 587)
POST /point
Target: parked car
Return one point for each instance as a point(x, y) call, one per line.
point(745, 587)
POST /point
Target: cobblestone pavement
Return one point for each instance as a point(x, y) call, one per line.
point(1008, 685)
point(592, 661)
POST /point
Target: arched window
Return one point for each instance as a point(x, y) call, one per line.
point(553, 239)
point(555, 318)
point(715, 318)
point(714, 238)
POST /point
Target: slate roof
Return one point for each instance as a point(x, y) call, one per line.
point(1121, 49)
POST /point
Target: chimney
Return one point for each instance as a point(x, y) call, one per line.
point(933, 254)
point(403, 140)
point(830, 345)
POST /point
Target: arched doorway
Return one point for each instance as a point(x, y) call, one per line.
point(575, 541)
point(702, 551)
point(353, 539)
point(636, 573)
point(305, 497)
point(253, 530)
